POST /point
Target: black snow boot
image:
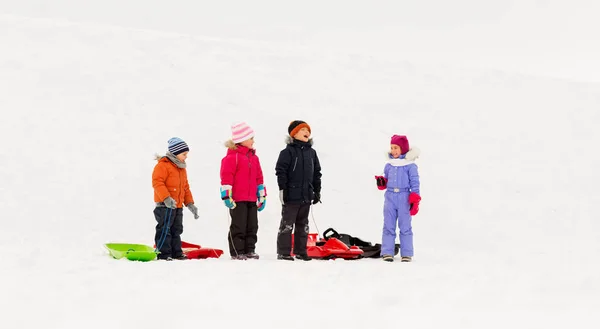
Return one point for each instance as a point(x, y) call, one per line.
point(303, 257)
point(285, 257)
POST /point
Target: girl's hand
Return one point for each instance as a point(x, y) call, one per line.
point(414, 199)
point(381, 182)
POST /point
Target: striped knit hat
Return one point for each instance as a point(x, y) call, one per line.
point(177, 146)
point(241, 132)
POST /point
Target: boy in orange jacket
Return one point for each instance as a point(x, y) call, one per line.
point(171, 193)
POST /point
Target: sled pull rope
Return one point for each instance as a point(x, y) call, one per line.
point(312, 214)
point(165, 230)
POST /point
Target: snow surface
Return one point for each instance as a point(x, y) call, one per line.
point(508, 232)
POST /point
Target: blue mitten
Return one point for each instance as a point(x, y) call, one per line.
point(226, 196)
point(262, 197)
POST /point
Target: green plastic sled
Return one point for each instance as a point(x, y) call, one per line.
point(139, 252)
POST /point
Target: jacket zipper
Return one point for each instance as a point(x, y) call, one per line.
point(249, 175)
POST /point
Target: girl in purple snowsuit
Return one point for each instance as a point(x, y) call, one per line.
point(402, 197)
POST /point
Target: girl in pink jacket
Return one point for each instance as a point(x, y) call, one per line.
point(243, 191)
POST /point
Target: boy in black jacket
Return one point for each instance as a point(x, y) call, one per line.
point(299, 178)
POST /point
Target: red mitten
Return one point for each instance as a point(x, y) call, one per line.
point(381, 182)
point(414, 199)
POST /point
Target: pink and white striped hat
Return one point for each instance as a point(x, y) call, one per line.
point(241, 132)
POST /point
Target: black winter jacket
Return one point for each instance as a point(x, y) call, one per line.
point(298, 172)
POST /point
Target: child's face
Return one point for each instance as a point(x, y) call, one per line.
point(248, 143)
point(303, 135)
point(182, 156)
point(395, 150)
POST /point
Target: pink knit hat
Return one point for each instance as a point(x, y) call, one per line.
point(401, 141)
point(241, 132)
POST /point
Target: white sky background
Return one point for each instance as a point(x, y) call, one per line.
point(541, 37)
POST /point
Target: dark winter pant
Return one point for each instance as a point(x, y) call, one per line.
point(243, 229)
point(168, 231)
point(293, 215)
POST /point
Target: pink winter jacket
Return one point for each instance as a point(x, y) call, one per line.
point(241, 169)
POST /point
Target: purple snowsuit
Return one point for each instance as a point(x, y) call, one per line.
point(402, 178)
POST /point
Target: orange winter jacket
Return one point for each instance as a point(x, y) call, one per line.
point(170, 180)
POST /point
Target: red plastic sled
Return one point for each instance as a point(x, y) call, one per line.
point(195, 251)
point(330, 248)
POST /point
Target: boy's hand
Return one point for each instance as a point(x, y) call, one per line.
point(414, 199)
point(381, 182)
point(170, 202)
point(226, 196)
point(317, 198)
point(194, 210)
point(282, 196)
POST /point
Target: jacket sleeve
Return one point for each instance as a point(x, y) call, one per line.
point(187, 197)
point(159, 179)
point(259, 176)
point(386, 171)
point(228, 170)
point(413, 179)
point(282, 167)
point(317, 175)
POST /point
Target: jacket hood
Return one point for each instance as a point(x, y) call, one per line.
point(233, 148)
point(230, 145)
point(290, 140)
point(170, 158)
point(411, 155)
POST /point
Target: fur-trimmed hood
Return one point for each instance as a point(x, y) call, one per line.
point(230, 145)
point(233, 148)
point(171, 157)
point(406, 159)
point(289, 140)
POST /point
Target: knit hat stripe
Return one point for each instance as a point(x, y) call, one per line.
point(178, 147)
point(242, 131)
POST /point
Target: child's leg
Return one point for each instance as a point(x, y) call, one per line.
point(289, 213)
point(162, 237)
point(237, 229)
point(176, 231)
point(405, 226)
point(251, 228)
point(301, 230)
point(390, 214)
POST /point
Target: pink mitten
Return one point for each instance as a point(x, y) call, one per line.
point(414, 199)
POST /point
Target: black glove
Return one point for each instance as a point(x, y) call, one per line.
point(317, 198)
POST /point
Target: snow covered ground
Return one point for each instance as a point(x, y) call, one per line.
point(507, 235)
